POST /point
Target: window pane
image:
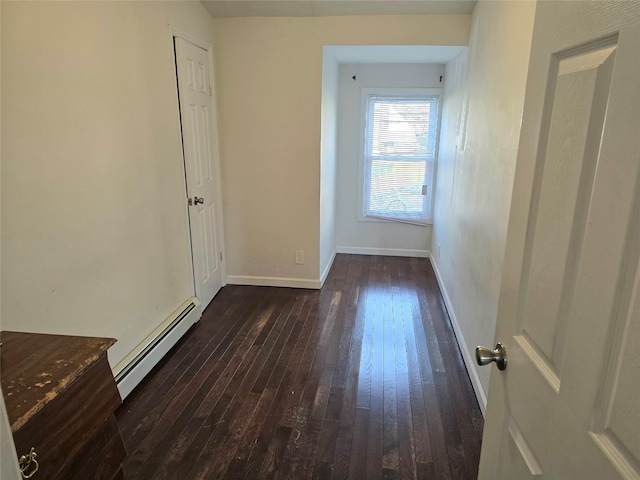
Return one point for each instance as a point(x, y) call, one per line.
point(400, 128)
point(396, 187)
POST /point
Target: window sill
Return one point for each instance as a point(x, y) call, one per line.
point(373, 219)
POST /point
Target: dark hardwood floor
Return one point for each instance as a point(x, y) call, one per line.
point(362, 379)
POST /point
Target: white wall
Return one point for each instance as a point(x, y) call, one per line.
point(94, 226)
point(269, 75)
point(328, 194)
point(372, 234)
point(475, 177)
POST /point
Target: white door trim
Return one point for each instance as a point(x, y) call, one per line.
point(205, 45)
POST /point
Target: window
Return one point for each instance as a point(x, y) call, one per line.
point(399, 154)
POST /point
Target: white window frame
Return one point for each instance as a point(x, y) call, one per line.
point(365, 93)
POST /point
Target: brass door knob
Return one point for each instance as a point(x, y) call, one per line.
point(485, 356)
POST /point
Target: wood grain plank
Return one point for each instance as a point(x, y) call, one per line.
point(275, 453)
point(376, 410)
point(436, 432)
point(179, 434)
point(358, 457)
point(340, 467)
point(327, 443)
point(390, 459)
point(421, 438)
point(363, 399)
point(233, 411)
point(362, 379)
point(321, 471)
point(195, 382)
point(406, 449)
point(259, 452)
point(288, 393)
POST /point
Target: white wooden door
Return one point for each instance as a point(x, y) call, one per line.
point(568, 404)
point(198, 135)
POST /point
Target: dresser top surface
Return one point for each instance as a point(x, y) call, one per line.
point(36, 368)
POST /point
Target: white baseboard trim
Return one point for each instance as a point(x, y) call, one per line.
point(391, 252)
point(325, 273)
point(469, 361)
point(273, 281)
point(135, 366)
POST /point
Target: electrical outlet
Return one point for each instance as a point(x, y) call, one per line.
point(299, 260)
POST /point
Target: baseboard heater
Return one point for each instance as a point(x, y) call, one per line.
point(135, 366)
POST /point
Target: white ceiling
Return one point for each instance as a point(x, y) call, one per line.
point(392, 53)
point(326, 8)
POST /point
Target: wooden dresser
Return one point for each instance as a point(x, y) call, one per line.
point(61, 397)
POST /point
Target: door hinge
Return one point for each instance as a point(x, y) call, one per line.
point(210, 91)
point(220, 256)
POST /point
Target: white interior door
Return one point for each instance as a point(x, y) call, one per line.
point(198, 135)
point(568, 404)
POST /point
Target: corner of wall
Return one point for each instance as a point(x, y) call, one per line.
point(465, 349)
point(327, 268)
point(475, 172)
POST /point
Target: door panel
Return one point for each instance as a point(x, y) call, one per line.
point(561, 200)
point(517, 461)
point(616, 423)
point(197, 134)
point(568, 405)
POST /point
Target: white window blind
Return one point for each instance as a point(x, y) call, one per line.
point(400, 149)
